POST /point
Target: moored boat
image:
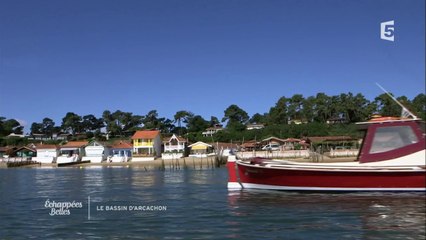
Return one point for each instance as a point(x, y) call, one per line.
point(391, 158)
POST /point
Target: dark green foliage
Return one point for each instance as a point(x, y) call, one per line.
point(313, 112)
point(235, 117)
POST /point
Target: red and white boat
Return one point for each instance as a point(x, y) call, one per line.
point(391, 158)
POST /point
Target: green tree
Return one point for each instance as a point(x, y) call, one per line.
point(419, 105)
point(308, 109)
point(181, 116)
point(36, 128)
point(8, 126)
point(295, 106)
point(386, 106)
point(151, 120)
point(92, 124)
point(236, 117)
point(71, 123)
point(47, 127)
point(166, 125)
point(322, 108)
point(278, 114)
point(213, 121)
point(1, 126)
point(259, 118)
point(197, 124)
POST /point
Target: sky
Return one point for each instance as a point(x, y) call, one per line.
point(59, 56)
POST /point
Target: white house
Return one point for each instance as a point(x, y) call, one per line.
point(212, 130)
point(96, 152)
point(71, 152)
point(254, 126)
point(46, 153)
point(174, 147)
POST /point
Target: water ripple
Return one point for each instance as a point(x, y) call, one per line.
point(198, 206)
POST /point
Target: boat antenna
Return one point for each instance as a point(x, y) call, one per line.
point(405, 113)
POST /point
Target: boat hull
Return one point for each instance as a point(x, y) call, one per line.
point(259, 177)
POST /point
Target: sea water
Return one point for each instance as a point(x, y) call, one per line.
point(132, 203)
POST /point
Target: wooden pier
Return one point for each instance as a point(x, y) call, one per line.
point(17, 162)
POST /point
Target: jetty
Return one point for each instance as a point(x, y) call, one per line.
point(17, 162)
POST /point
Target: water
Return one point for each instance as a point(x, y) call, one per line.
point(198, 206)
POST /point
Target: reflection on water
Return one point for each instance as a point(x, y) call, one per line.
point(198, 206)
point(360, 215)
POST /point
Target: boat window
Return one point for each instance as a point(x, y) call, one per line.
point(390, 138)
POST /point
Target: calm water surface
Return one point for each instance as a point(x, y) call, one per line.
point(195, 204)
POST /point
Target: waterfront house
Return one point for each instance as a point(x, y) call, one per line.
point(272, 141)
point(294, 144)
point(174, 147)
point(72, 151)
point(46, 153)
point(96, 152)
point(297, 121)
point(24, 152)
point(254, 126)
point(212, 130)
point(46, 137)
point(120, 151)
point(251, 145)
point(14, 135)
point(200, 149)
point(146, 145)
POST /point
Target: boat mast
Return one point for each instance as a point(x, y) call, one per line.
point(405, 112)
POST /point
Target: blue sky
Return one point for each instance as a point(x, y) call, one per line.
point(201, 56)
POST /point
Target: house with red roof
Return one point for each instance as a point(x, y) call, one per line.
point(121, 151)
point(146, 145)
point(72, 151)
point(46, 153)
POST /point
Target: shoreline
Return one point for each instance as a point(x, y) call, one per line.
point(181, 163)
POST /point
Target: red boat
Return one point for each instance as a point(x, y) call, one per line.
point(391, 158)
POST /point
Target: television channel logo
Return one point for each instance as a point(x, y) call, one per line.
point(387, 30)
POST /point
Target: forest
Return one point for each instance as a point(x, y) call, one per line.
point(295, 116)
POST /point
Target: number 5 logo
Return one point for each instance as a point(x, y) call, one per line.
point(387, 31)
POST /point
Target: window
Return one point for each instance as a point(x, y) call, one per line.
point(390, 138)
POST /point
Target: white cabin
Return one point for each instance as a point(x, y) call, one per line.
point(174, 147)
point(96, 152)
point(46, 153)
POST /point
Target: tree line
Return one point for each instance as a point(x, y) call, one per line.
point(313, 111)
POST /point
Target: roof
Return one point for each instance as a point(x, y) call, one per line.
point(330, 138)
point(95, 142)
point(180, 139)
point(200, 143)
point(249, 144)
point(273, 139)
point(292, 140)
point(24, 147)
point(75, 144)
point(46, 146)
point(146, 134)
point(250, 126)
point(121, 145)
point(214, 128)
point(389, 119)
